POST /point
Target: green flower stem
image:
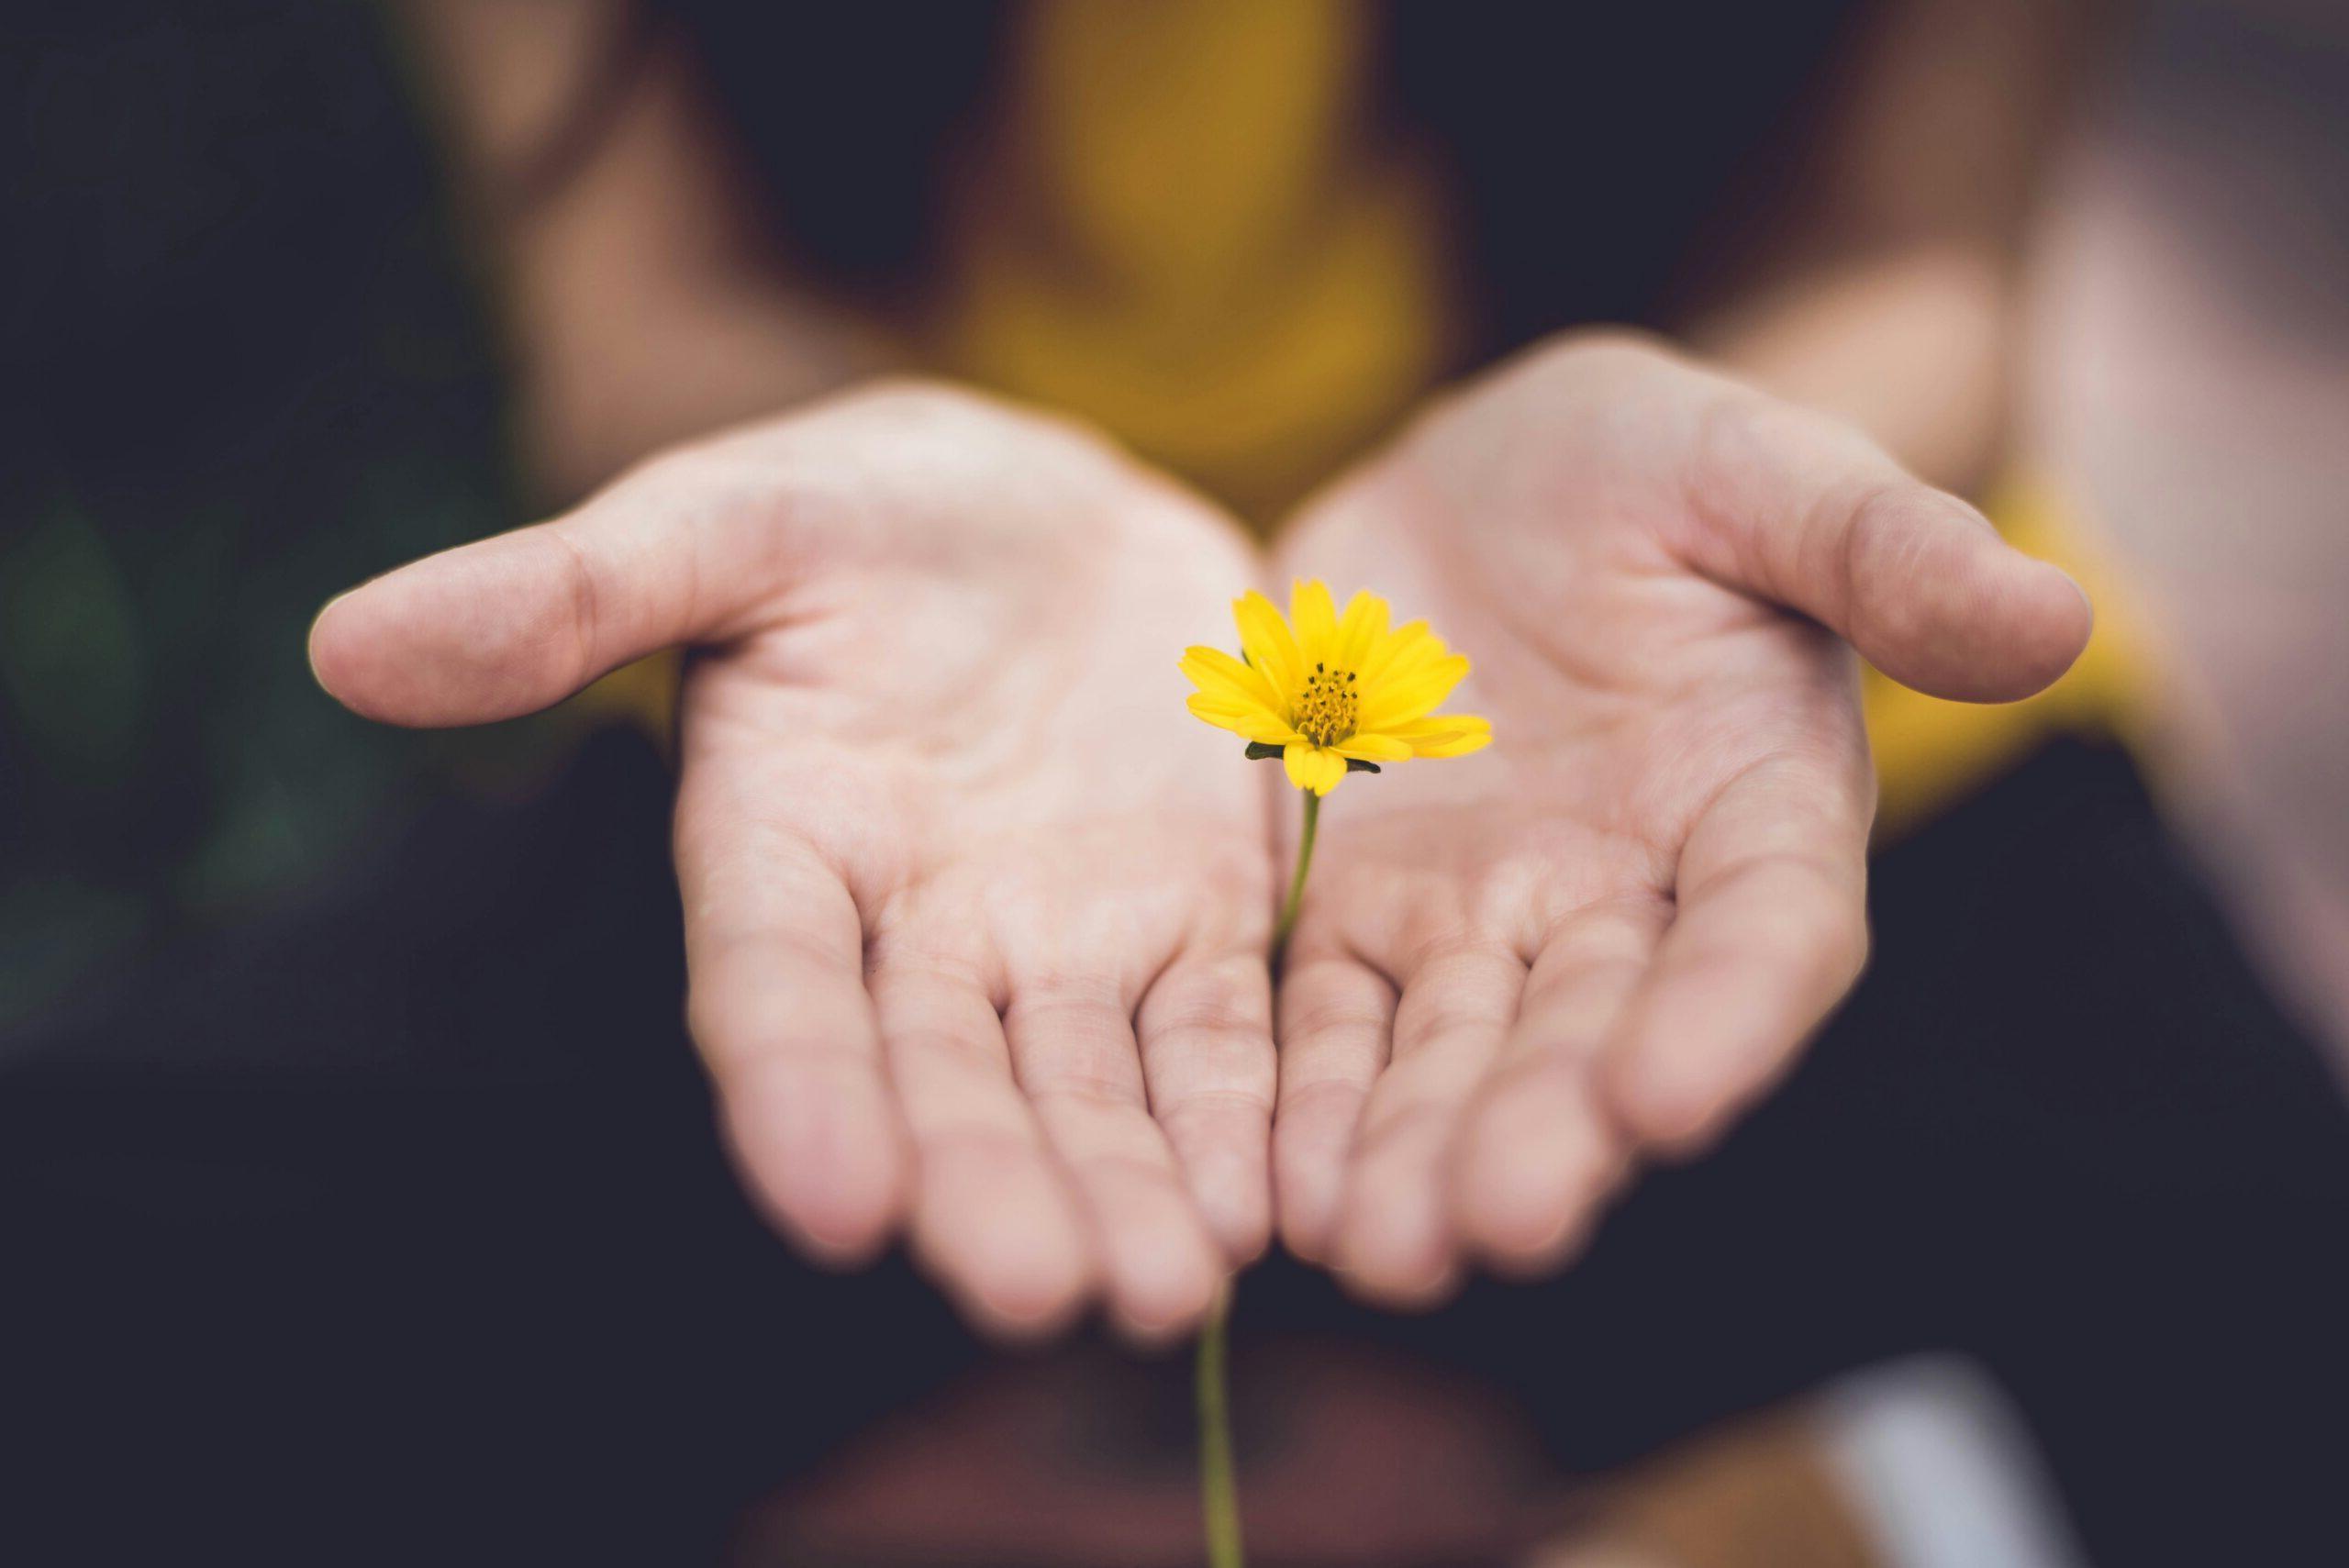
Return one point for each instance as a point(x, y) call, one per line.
point(1296, 882)
point(1218, 1488)
point(1218, 1492)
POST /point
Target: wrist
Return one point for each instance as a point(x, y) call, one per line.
point(670, 366)
point(1916, 348)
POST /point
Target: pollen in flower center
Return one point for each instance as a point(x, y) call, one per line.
point(1325, 709)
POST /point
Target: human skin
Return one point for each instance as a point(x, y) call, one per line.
point(975, 917)
point(1518, 974)
point(1573, 565)
point(976, 920)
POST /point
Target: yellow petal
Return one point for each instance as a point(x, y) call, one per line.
point(1316, 619)
point(1270, 646)
point(1360, 629)
point(1401, 649)
point(1223, 714)
point(1397, 701)
point(1218, 673)
point(1271, 731)
point(1245, 720)
point(1332, 771)
point(1314, 768)
point(1297, 760)
point(1310, 767)
point(1374, 748)
point(1445, 735)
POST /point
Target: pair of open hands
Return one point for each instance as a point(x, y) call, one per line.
point(977, 915)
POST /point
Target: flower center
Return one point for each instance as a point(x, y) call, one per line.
point(1325, 712)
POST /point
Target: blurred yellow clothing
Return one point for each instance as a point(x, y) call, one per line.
point(1931, 754)
point(1188, 237)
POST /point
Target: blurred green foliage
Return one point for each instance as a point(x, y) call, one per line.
point(245, 368)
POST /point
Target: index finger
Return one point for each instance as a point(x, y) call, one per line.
point(1771, 931)
point(776, 1002)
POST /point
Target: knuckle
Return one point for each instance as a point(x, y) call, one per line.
point(1589, 350)
point(979, 1151)
point(1209, 1014)
point(1209, 1109)
point(919, 397)
point(1315, 1012)
point(1099, 1091)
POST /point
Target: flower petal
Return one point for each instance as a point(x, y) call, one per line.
point(1215, 672)
point(1270, 646)
point(1374, 748)
point(1223, 714)
point(1445, 735)
point(1316, 619)
point(1404, 649)
point(1360, 629)
point(1398, 701)
point(1332, 771)
point(1245, 720)
point(1310, 767)
point(1298, 761)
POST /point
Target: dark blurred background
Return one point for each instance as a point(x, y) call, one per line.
point(357, 1190)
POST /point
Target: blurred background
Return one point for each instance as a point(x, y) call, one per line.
point(357, 1189)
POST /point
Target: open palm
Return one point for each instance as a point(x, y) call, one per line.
point(1517, 972)
point(967, 900)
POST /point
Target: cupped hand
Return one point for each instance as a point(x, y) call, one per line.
point(1518, 973)
point(976, 919)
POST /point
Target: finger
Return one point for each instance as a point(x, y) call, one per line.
point(1770, 933)
point(1536, 1155)
point(779, 1010)
point(511, 624)
point(1336, 1016)
point(1802, 509)
point(1073, 1048)
point(994, 1220)
point(1394, 1238)
point(1206, 1030)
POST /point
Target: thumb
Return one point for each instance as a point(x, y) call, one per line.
point(514, 623)
point(1804, 510)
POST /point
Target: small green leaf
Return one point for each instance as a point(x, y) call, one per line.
point(1264, 751)
point(1356, 765)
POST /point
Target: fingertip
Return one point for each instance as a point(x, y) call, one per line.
point(1226, 1169)
point(1008, 1247)
point(1018, 1316)
point(2035, 621)
point(1013, 1306)
point(1238, 1209)
point(1161, 1293)
point(1308, 1241)
point(1161, 1267)
point(381, 650)
point(1392, 1244)
point(1944, 604)
point(487, 631)
point(1534, 1170)
point(1308, 1186)
point(833, 1176)
point(2065, 622)
point(339, 653)
point(1672, 1105)
point(1394, 1282)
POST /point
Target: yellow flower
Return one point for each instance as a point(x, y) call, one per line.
point(1332, 693)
